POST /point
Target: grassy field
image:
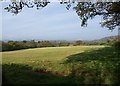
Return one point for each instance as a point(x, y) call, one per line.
point(62, 65)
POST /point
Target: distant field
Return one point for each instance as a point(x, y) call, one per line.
point(29, 56)
point(74, 64)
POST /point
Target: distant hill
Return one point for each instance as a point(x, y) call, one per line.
point(102, 40)
point(105, 39)
point(110, 38)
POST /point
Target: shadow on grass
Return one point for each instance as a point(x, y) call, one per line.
point(103, 54)
point(18, 74)
point(103, 64)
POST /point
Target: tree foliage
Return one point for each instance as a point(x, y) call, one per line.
point(17, 45)
point(110, 11)
point(79, 42)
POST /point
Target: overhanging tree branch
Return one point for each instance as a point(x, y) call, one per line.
point(110, 11)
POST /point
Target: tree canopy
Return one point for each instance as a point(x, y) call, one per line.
point(110, 11)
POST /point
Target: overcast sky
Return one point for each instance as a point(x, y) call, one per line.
point(54, 22)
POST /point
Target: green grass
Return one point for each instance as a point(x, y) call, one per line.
point(75, 65)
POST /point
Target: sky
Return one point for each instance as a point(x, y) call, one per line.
point(54, 22)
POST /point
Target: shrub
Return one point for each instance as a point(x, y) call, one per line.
point(116, 45)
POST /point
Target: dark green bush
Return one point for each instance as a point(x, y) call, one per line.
point(116, 45)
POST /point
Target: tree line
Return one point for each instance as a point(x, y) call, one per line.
point(17, 45)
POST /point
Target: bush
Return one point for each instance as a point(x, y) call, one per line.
point(116, 45)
